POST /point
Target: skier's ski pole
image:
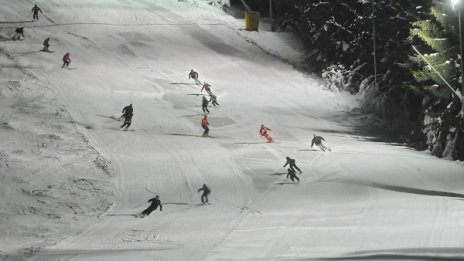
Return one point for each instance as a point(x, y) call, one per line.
point(149, 190)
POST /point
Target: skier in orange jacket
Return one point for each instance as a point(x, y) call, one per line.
point(263, 131)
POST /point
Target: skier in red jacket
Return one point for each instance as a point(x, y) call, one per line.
point(66, 60)
point(263, 132)
point(204, 124)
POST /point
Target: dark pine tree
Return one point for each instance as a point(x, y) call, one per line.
point(438, 39)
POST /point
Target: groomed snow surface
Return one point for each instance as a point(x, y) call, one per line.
point(71, 179)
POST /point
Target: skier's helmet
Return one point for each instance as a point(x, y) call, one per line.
point(287, 157)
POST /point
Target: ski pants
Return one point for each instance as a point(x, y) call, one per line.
point(215, 103)
point(205, 108)
point(294, 177)
point(66, 63)
point(148, 211)
point(206, 132)
point(268, 137)
point(293, 167)
point(204, 198)
point(18, 36)
point(322, 147)
point(36, 16)
point(197, 81)
point(127, 122)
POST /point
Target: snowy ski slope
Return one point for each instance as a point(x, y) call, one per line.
point(364, 200)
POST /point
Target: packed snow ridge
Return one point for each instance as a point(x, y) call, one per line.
point(73, 182)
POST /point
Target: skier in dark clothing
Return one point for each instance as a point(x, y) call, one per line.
point(204, 104)
point(318, 141)
point(194, 75)
point(155, 202)
point(35, 11)
point(204, 196)
point(46, 45)
point(292, 165)
point(292, 175)
point(127, 110)
point(19, 32)
point(127, 121)
point(127, 113)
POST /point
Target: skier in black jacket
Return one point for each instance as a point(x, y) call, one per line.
point(194, 76)
point(204, 104)
point(19, 32)
point(204, 196)
point(292, 175)
point(35, 11)
point(318, 141)
point(155, 202)
point(292, 165)
point(46, 44)
point(127, 114)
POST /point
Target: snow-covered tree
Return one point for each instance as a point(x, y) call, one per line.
point(439, 41)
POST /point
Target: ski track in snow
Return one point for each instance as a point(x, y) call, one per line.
point(362, 201)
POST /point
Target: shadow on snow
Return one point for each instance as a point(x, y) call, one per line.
point(403, 189)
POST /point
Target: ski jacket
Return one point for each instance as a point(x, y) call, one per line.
point(46, 42)
point(317, 140)
point(213, 98)
point(263, 130)
point(128, 117)
point(204, 102)
point(206, 87)
point(205, 189)
point(66, 58)
point(128, 110)
point(204, 122)
point(20, 30)
point(193, 75)
point(291, 173)
point(36, 9)
point(155, 202)
point(290, 162)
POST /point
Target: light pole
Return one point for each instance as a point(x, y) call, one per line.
point(374, 43)
point(457, 5)
point(270, 9)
